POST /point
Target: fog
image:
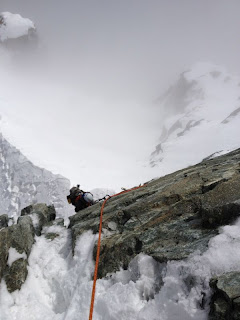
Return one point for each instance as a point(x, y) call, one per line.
point(81, 105)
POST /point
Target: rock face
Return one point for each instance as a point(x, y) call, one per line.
point(16, 242)
point(3, 221)
point(225, 303)
point(22, 183)
point(169, 218)
point(40, 214)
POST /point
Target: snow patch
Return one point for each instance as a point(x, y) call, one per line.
point(99, 193)
point(13, 26)
point(203, 68)
point(14, 255)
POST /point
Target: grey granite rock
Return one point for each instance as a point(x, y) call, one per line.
point(225, 303)
point(3, 221)
point(41, 214)
point(16, 275)
point(169, 218)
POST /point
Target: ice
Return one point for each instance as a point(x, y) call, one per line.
point(58, 286)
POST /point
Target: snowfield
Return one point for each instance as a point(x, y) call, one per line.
point(206, 106)
point(59, 285)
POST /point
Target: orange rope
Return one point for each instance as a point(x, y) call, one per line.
point(98, 248)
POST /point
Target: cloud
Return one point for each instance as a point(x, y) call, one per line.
point(84, 99)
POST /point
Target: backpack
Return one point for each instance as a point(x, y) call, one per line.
point(79, 198)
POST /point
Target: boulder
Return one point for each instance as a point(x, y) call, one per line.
point(21, 235)
point(225, 302)
point(41, 214)
point(20, 238)
point(16, 275)
point(3, 221)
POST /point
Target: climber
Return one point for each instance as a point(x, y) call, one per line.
point(79, 198)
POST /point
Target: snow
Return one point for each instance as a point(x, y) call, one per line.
point(58, 286)
point(200, 129)
point(14, 26)
point(14, 255)
point(99, 193)
point(200, 69)
point(35, 219)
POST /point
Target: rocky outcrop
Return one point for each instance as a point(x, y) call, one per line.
point(40, 214)
point(225, 303)
point(17, 240)
point(169, 218)
point(16, 275)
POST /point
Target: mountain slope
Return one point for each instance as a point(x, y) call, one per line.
point(201, 116)
point(23, 183)
point(160, 249)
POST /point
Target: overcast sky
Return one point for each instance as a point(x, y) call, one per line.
point(86, 112)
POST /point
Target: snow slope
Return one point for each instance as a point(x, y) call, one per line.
point(22, 183)
point(200, 115)
point(59, 286)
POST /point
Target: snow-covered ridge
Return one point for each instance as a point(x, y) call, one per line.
point(23, 183)
point(13, 26)
point(201, 113)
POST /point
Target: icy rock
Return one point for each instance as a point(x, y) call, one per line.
point(112, 226)
point(51, 235)
point(3, 221)
point(16, 275)
point(225, 302)
point(20, 237)
point(40, 214)
point(16, 242)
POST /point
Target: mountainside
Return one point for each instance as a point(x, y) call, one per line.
point(200, 116)
point(23, 184)
point(163, 255)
